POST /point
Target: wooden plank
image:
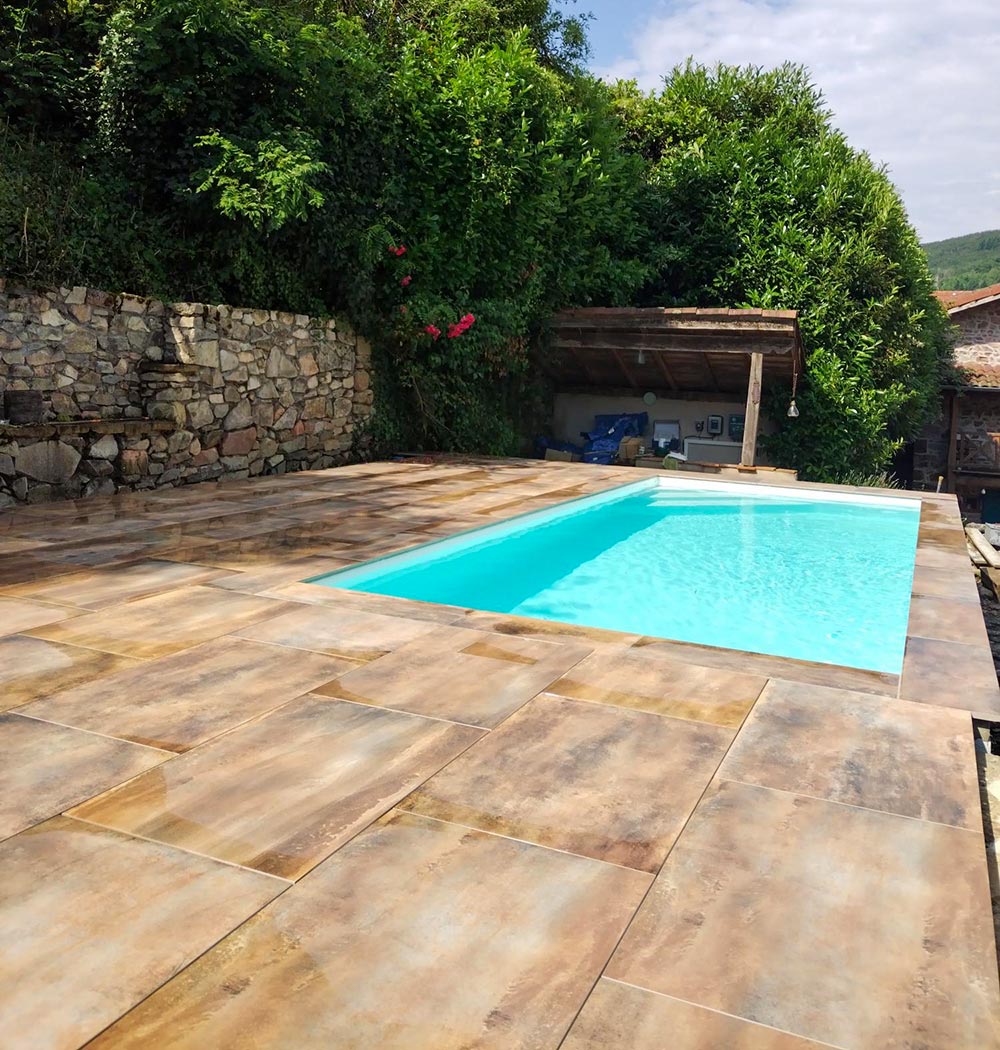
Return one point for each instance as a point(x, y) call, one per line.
point(983, 546)
point(711, 373)
point(749, 454)
point(667, 375)
point(629, 377)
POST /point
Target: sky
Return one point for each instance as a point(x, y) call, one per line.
point(913, 82)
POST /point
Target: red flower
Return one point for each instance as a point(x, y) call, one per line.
point(454, 331)
point(433, 331)
point(406, 280)
point(401, 250)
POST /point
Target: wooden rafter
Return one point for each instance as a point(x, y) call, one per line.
point(658, 358)
point(629, 377)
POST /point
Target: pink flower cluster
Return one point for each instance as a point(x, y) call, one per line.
point(406, 280)
point(401, 250)
point(433, 331)
point(463, 325)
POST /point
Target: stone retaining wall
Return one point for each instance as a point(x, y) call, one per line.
point(208, 391)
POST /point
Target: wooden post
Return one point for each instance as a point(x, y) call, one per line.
point(749, 454)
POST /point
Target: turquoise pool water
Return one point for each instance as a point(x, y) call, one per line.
point(822, 578)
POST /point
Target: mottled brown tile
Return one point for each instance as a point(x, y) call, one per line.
point(164, 623)
point(18, 614)
point(619, 1017)
point(950, 674)
point(265, 550)
point(460, 675)
point(603, 782)
point(32, 667)
point(345, 631)
point(47, 768)
point(102, 587)
point(856, 928)
point(94, 921)
point(861, 750)
point(773, 666)
point(283, 792)
point(180, 701)
point(279, 574)
point(419, 935)
point(947, 619)
point(643, 680)
point(943, 583)
point(550, 630)
point(320, 594)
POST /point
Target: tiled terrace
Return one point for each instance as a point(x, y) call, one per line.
point(242, 811)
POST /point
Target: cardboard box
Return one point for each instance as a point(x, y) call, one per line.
point(562, 457)
point(628, 450)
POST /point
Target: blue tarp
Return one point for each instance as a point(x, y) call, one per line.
point(603, 439)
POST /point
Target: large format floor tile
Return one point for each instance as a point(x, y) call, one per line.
point(604, 782)
point(100, 587)
point(620, 1017)
point(18, 614)
point(951, 674)
point(549, 630)
point(419, 935)
point(949, 619)
point(179, 701)
point(282, 571)
point(32, 667)
point(319, 594)
point(839, 924)
point(627, 678)
point(164, 623)
point(348, 632)
point(862, 750)
point(460, 675)
point(773, 666)
point(282, 793)
point(92, 921)
point(47, 768)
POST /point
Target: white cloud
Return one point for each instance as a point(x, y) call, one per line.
point(914, 83)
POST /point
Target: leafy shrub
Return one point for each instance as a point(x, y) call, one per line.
point(753, 199)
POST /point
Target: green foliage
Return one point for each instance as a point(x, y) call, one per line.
point(968, 262)
point(271, 153)
point(280, 152)
point(753, 199)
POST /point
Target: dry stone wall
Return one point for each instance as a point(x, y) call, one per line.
point(140, 393)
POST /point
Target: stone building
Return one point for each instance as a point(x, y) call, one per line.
point(963, 446)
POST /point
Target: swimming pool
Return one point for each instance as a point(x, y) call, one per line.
point(789, 572)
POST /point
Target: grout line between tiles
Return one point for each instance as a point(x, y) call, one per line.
point(399, 711)
point(90, 732)
point(512, 838)
point(661, 714)
point(656, 874)
point(69, 815)
point(724, 1013)
point(721, 778)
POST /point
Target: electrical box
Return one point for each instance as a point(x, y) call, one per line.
point(715, 425)
point(736, 425)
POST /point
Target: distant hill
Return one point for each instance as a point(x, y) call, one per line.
point(972, 261)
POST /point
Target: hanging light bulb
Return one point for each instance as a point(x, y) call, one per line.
point(640, 358)
point(793, 409)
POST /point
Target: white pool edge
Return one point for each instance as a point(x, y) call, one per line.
point(442, 547)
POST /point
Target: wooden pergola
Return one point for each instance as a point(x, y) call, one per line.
point(688, 353)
